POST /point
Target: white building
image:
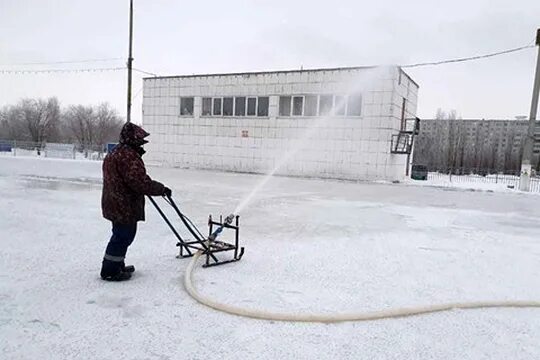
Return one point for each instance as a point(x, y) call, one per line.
point(345, 123)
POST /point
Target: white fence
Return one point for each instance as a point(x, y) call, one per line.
point(51, 150)
point(487, 180)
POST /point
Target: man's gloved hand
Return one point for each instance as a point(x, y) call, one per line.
point(167, 192)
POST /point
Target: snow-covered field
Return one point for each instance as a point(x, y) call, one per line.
point(311, 246)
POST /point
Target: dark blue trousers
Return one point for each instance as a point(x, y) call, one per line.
point(113, 260)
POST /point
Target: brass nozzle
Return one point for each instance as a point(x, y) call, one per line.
point(229, 219)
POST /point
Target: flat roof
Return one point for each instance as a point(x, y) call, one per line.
point(346, 68)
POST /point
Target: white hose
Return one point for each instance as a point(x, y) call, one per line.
point(329, 318)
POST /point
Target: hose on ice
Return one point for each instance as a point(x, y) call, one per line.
point(340, 317)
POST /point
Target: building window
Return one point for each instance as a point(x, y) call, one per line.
point(240, 106)
point(262, 107)
point(186, 106)
point(236, 106)
point(228, 106)
point(340, 104)
point(325, 105)
point(298, 106)
point(206, 106)
point(284, 106)
point(252, 106)
point(354, 106)
point(217, 107)
point(310, 107)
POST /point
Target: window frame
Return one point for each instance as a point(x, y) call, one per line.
point(303, 97)
point(290, 105)
point(202, 106)
point(213, 103)
point(267, 107)
point(316, 96)
point(192, 106)
point(223, 106)
point(234, 105)
point(254, 99)
point(256, 105)
point(334, 107)
point(331, 112)
point(361, 97)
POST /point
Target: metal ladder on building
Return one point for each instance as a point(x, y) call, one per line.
point(402, 142)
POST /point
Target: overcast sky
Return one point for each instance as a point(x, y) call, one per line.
point(186, 37)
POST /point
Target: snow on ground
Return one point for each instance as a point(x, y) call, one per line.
point(311, 246)
point(491, 183)
point(509, 184)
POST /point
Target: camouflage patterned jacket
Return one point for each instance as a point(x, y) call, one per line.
point(125, 182)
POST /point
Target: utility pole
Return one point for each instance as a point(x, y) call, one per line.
point(130, 61)
point(526, 163)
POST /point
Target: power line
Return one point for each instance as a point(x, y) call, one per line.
point(144, 72)
point(64, 62)
point(53, 71)
point(468, 58)
point(137, 93)
point(30, 71)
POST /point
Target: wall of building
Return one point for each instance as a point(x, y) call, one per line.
point(346, 147)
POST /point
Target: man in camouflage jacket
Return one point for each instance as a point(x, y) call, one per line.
point(125, 183)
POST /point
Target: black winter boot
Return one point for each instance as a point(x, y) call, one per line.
point(113, 271)
point(121, 276)
point(128, 268)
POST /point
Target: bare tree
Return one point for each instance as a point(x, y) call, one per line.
point(454, 139)
point(465, 146)
point(441, 114)
point(40, 117)
point(92, 127)
point(455, 145)
point(39, 121)
point(78, 120)
point(11, 125)
point(107, 124)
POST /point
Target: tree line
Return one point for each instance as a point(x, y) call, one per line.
point(453, 145)
point(44, 120)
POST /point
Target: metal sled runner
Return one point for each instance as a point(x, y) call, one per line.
point(209, 246)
